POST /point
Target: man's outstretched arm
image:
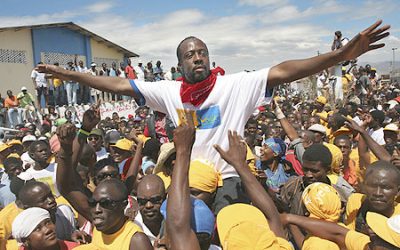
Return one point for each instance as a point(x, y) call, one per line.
point(295, 69)
point(104, 83)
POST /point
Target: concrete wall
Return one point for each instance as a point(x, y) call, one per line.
point(15, 75)
point(102, 53)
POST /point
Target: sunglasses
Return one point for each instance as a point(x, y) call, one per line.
point(153, 200)
point(104, 203)
point(105, 175)
point(91, 138)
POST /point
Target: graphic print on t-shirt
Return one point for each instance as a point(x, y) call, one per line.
point(207, 118)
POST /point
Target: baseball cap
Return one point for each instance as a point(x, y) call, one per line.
point(112, 136)
point(93, 64)
point(391, 127)
point(387, 229)
point(14, 142)
point(28, 138)
point(96, 131)
point(123, 144)
point(23, 88)
point(317, 128)
point(321, 99)
point(202, 220)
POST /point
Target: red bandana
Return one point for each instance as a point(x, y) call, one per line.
point(198, 92)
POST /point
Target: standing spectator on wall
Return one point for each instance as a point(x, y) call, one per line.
point(2, 112)
point(158, 71)
point(130, 71)
point(113, 72)
point(40, 84)
point(59, 90)
point(148, 73)
point(140, 71)
point(94, 93)
point(121, 70)
point(71, 86)
point(84, 92)
point(104, 71)
point(12, 104)
point(27, 104)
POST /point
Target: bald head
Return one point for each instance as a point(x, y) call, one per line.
point(114, 188)
point(151, 185)
point(30, 190)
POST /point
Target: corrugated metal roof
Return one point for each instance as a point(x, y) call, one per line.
point(77, 28)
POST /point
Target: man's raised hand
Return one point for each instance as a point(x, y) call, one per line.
point(184, 134)
point(365, 41)
point(236, 154)
point(66, 134)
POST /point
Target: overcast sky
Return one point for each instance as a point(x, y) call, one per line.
point(241, 34)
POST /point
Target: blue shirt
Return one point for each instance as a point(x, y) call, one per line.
point(277, 178)
point(6, 196)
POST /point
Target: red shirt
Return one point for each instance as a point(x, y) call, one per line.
point(64, 245)
point(11, 102)
point(130, 72)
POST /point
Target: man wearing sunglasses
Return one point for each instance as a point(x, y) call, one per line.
point(105, 208)
point(150, 196)
point(95, 139)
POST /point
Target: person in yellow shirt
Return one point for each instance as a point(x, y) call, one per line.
point(386, 232)
point(380, 188)
point(105, 208)
point(322, 202)
point(320, 103)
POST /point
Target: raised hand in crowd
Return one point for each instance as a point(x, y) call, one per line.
point(179, 207)
point(236, 156)
point(365, 141)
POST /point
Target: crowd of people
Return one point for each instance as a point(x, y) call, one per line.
point(52, 93)
point(211, 161)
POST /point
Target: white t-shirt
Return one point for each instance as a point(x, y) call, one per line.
point(228, 107)
point(146, 230)
point(39, 78)
point(101, 154)
point(47, 175)
point(377, 135)
point(139, 73)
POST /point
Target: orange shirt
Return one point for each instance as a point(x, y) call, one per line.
point(11, 102)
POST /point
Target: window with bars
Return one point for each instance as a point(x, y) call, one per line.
point(13, 56)
point(61, 58)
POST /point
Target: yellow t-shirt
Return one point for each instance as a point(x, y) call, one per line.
point(57, 82)
point(353, 206)
point(166, 179)
point(356, 241)
point(356, 158)
point(313, 242)
point(7, 216)
point(119, 240)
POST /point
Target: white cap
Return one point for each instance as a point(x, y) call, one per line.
point(93, 64)
point(318, 128)
point(23, 88)
point(28, 138)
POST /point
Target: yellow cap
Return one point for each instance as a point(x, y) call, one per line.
point(15, 155)
point(321, 99)
point(244, 227)
point(322, 201)
point(123, 144)
point(391, 127)
point(387, 229)
point(202, 176)
point(3, 146)
point(14, 142)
